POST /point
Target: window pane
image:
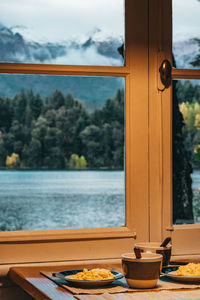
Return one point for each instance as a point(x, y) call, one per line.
point(76, 32)
point(186, 151)
point(186, 33)
point(61, 152)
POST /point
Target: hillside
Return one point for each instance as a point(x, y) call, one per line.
point(92, 90)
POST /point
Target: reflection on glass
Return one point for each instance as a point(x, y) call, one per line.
point(61, 152)
point(76, 32)
point(186, 151)
point(186, 33)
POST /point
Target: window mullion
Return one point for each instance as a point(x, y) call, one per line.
point(185, 74)
point(63, 69)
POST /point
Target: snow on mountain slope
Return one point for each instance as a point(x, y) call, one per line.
point(95, 49)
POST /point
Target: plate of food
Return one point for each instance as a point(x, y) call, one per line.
point(89, 277)
point(187, 273)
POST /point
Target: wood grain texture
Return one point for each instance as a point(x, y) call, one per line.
point(40, 287)
point(36, 285)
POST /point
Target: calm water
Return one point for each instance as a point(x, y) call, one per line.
point(37, 200)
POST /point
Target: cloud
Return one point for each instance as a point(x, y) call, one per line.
point(86, 57)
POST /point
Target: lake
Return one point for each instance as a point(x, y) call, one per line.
point(40, 200)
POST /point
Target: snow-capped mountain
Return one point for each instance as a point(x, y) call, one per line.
point(14, 48)
point(96, 49)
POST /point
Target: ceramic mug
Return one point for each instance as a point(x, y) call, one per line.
point(154, 247)
point(142, 272)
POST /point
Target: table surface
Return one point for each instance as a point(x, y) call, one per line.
point(40, 287)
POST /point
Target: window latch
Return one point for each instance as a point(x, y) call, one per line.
point(170, 228)
point(165, 74)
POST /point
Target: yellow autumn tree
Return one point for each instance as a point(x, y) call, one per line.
point(82, 162)
point(12, 161)
point(191, 115)
point(77, 162)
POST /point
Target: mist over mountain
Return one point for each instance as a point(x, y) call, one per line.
point(185, 52)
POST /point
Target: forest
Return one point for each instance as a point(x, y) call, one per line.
point(57, 132)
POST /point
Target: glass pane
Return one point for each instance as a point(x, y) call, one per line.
point(186, 151)
point(186, 33)
point(76, 32)
point(61, 152)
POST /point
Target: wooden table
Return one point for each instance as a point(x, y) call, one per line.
point(40, 287)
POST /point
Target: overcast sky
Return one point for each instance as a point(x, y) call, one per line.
point(186, 19)
point(59, 20)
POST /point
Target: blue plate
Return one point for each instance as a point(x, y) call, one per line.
point(66, 275)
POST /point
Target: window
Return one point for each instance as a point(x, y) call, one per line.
point(30, 246)
point(62, 159)
point(62, 136)
point(182, 211)
point(148, 140)
point(186, 151)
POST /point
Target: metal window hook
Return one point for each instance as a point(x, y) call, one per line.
point(165, 74)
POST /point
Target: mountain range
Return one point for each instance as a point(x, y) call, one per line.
point(15, 48)
point(96, 49)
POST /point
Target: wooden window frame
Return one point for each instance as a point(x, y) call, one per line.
point(161, 138)
point(186, 232)
point(100, 243)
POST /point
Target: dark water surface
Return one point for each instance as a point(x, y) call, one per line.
point(39, 200)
